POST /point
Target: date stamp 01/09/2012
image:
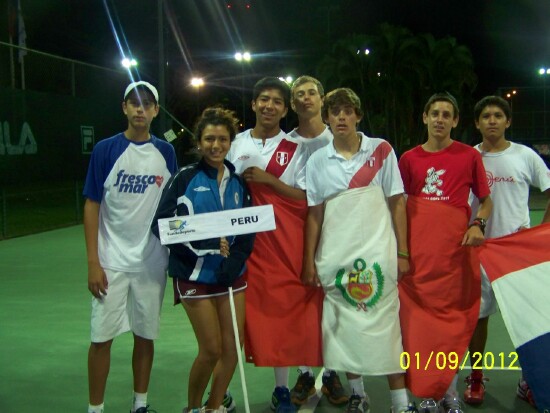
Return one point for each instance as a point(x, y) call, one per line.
point(441, 361)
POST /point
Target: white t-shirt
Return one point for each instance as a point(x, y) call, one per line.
point(247, 151)
point(312, 144)
point(329, 173)
point(509, 174)
point(127, 179)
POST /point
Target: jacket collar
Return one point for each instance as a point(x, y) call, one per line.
point(213, 172)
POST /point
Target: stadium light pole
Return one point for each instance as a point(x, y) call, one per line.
point(544, 72)
point(510, 95)
point(242, 58)
point(161, 66)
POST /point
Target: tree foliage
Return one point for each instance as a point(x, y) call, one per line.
point(396, 76)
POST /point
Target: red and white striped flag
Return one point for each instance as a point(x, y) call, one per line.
point(518, 266)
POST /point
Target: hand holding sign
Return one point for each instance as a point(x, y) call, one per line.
point(224, 247)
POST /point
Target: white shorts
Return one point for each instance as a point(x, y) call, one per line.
point(488, 304)
point(133, 303)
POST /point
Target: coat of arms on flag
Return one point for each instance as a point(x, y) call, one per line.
point(363, 286)
point(282, 158)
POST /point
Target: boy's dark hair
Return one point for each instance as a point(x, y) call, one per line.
point(272, 83)
point(217, 116)
point(341, 97)
point(442, 97)
point(306, 79)
point(492, 101)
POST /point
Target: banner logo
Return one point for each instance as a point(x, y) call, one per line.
point(26, 145)
point(179, 227)
point(177, 224)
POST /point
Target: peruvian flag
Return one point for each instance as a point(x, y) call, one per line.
point(283, 316)
point(518, 266)
point(440, 296)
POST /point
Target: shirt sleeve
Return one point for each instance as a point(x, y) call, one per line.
point(95, 178)
point(480, 184)
point(539, 172)
point(301, 171)
point(173, 163)
point(405, 173)
point(312, 190)
point(392, 184)
point(167, 206)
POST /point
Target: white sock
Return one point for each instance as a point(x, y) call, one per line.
point(399, 399)
point(452, 391)
point(281, 376)
point(95, 409)
point(357, 386)
point(306, 369)
point(140, 400)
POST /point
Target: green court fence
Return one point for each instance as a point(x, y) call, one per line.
point(36, 208)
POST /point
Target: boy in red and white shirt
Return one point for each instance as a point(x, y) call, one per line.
point(443, 291)
point(355, 227)
point(282, 314)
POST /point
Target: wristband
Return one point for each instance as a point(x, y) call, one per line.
point(402, 254)
point(479, 222)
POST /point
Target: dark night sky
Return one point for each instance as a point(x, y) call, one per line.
point(509, 39)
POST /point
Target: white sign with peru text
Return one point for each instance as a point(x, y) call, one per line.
point(216, 224)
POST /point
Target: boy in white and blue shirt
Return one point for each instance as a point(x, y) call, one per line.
point(126, 262)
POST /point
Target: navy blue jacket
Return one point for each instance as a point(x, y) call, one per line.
point(194, 190)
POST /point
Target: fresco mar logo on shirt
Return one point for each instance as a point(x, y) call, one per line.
point(136, 184)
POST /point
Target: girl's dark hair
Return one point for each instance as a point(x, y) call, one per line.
point(217, 116)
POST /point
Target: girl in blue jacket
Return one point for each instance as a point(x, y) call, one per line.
point(203, 270)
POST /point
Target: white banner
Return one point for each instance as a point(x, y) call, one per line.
point(216, 224)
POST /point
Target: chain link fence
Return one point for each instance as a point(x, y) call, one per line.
point(52, 111)
point(27, 210)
